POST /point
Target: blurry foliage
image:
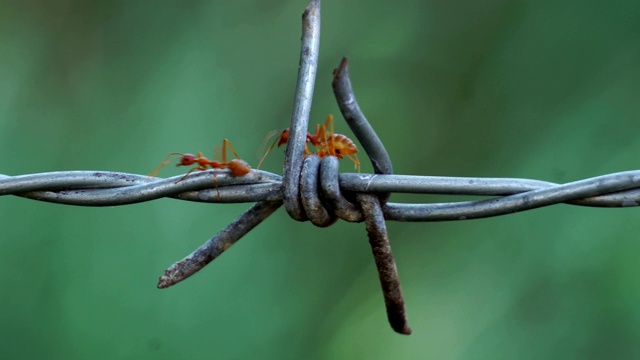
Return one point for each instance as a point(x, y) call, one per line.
point(545, 90)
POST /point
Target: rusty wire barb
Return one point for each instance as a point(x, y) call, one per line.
point(312, 189)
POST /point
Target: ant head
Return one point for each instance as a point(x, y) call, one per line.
point(284, 137)
point(186, 159)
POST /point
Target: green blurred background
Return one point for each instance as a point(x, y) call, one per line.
point(539, 89)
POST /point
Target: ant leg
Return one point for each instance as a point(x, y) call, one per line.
point(164, 163)
point(307, 152)
point(215, 183)
point(355, 160)
point(268, 151)
point(226, 143)
point(190, 171)
point(329, 123)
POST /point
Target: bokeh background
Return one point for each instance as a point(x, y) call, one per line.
point(538, 89)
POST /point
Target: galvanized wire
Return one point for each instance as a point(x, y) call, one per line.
point(103, 188)
point(307, 70)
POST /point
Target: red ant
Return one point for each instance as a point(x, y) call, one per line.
point(328, 142)
point(236, 166)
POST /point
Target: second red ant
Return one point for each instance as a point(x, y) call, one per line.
point(327, 142)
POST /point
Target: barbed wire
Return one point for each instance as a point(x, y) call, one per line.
point(312, 188)
point(104, 188)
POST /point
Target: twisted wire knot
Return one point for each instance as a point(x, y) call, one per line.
point(320, 176)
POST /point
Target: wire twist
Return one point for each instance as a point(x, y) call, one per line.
point(104, 188)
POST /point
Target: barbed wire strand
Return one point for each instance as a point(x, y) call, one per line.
point(358, 123)
point(218, 244)
point(104, 188)
point(524, 201)
point(107, 188)
point(385, 262)
point(371, 205)
point(307, 70)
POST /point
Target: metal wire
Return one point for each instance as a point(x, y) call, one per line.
point(358, 123)
point(307, 70)
point(386, 264)
point(220, 243)
point(103, 188)
point(369, 204)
